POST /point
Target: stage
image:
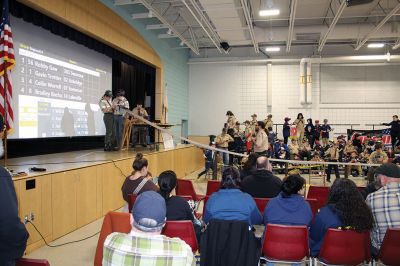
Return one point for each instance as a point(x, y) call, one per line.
point(82, 186)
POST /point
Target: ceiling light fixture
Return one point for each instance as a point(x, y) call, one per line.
point(269, 12)
point(272, 49)
point(376, 45)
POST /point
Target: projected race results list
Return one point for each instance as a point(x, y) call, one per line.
point(57, 96)
point(44, 76)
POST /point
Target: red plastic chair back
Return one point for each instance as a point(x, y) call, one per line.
point(186, 197)
point(313, 205)
point(185, 187)
point(261, 203)
point(31, 262)
point(389, 253)
point(212, 186)
point(345, 247)
point(285, 243)
point(320, 194)
point(113, 222)
point(183, 230)
point(131, 201)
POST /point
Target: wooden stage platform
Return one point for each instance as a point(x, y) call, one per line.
point(81, 187)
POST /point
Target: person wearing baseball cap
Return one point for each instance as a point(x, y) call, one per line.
point(384, 203)
point(145, 245)
point(107, 107)
point(286, 130)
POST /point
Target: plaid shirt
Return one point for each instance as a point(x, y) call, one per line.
point(385, 207)
point(133, 250)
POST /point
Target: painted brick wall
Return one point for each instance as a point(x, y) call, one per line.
point(176, 70)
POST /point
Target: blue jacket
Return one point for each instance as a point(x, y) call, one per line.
point(292, 210)
point(232, 204)
point(286, 130)
point(326, 218)
point(277, 149)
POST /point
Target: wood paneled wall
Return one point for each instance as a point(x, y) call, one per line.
point(65, 201)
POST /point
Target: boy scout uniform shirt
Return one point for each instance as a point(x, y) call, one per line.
point(268, 123)
point(334, 153)
point(223, 140)
point(142, 112)
point(349, 149)
point(253, 125)
point(104, 104)
point(261, 142)
point(231, 121)
point(121, 104)
point(373, 158)
point(293, 148)
point(299, 124)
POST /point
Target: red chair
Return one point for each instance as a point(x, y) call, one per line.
point(31, 262)
point(261, 203)
point(345, 247)
point(320, 194)
point(390, 248)
point(212, 186)
point(113, 222)
point(185, 187)
point(204, 203)
point(314, 205)
point(131, 201)
point(183, 230)
point(283, 243)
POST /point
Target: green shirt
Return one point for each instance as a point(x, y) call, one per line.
point(157, 250)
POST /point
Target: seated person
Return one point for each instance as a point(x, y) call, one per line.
point(249, 165)
point(137, 182)
point(229, 203)
point(349, 148)
point(281, 150)
point(305, 150)
point(385, 203)
point(13, 234)
point(289, 207)
point(177, 208)
point(377, 157)
point(345, 208)
point(294, 150)
point(354, 170)
point(262, 183)
point(145, 245)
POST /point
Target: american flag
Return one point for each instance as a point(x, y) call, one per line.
point(7, 62)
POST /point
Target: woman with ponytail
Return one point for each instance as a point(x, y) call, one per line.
point(229, 203)
point(138, 182)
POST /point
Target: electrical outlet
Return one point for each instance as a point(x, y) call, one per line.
point(32, 217)
point(26, 219)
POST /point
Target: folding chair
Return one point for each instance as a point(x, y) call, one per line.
point(183, 230)
point(212, 186)
point(390, 248)
point(185, 187)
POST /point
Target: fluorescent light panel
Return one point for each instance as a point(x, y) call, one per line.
point(272, 49)
point(376, 45)
point(269, 12)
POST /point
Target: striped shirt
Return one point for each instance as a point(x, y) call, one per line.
point(137, 250)
point(385, 207)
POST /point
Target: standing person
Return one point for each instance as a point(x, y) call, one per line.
point(231, 121)
point(121, 105)
point(299, 123)
point(140, 133)
point(145, 245)
point(310, 132)
point(247, 135)
point(107, 107)
point(333, 156)
point(13, 234)
point(209, 156)
point(345, 208)
point(260, 139)
point(268, 122)
point(222, 142)
point(253, 122)
point(271, 141)
point(385, 203)
point(394, 130)
point(286, 130)
point(317, 131)
point(325, 129)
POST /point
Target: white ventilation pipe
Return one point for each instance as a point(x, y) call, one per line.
point(309, 83)
point(303, 81)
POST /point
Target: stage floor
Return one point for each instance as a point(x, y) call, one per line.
point(57, 162)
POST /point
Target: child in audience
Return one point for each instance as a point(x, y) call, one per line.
point(294, 150)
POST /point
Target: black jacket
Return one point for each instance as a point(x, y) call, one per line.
point(262, 184)
point(13, 234)
point(229, 243)
point(395, 126)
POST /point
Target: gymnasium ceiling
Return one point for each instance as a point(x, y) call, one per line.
point(303, 27)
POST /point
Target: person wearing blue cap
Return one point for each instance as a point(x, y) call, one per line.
point(145, 245)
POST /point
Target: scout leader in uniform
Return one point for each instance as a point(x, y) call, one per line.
point(107, 107)
point(222, 142)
